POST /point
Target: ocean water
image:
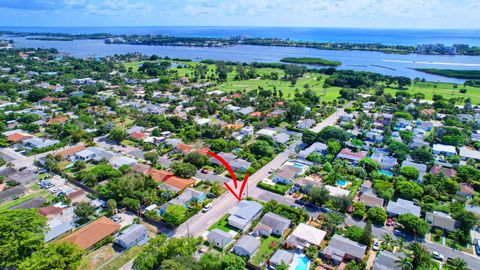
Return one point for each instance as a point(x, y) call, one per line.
point(353, 35)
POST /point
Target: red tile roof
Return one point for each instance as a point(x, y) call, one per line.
point(185, 148)
point(18, 137)
point(179, 183)
point(447, 172)
point(77, 193)
point(70, 151)
point(159, 175)
point(50, 210)
point(51, 99)
point(57, 120)
point(92, 233)
point(138, 135)
point(256, 114)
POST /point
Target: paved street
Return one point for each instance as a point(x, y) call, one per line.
point(200, 222)
point(19, 160)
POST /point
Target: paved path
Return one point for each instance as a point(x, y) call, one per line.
point(330, 120)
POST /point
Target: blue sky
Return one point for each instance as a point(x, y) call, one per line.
point(314, 13)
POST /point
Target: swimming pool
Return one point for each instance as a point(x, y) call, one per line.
point(385, 172)
point(303, 263)
point(342, 182)
point(298, 165)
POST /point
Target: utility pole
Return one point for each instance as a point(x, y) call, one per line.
point(188, 230)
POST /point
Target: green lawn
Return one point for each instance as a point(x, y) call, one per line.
point(41, 193)
point(444, 89)
point(222, 224)
point(267, 247)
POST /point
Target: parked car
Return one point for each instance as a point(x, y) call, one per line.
point(22, 169)
point(398, 233)
point(376, 246)
point(390, 222)
point(438, 256)
point(298, 201)
point(207, 208)
point(477, 247)
point(116, 218)
point(210, 195)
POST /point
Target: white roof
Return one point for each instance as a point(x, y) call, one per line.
point(444, 148)
point(308, 233)
point(469, 153)
point(266, 132)
point(336, 191)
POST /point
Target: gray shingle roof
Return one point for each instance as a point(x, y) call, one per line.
point(340, 243)
point(248, 243)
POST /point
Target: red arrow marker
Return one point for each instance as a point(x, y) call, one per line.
point(234, 178)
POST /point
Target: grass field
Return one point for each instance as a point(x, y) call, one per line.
point(328, 94)
point(447, 90)
point(40, 193)
point(267, 247)
point(444, 89)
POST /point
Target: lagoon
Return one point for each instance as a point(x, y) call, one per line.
point(388, 64)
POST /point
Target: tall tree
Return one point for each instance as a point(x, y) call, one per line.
point(55, 256)
point(21, 234)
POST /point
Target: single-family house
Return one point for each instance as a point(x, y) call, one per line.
point(92, 233)
point(58, 230)
point(159, 175)
point(466, 190)
point(304, 184)
point(84, 155)
point(77, 196)
point(240, 165)
point(449, 172)
point(272, 223)
point(305, 124)
point(246, 246)
point(285, 175)
point(179, 184)
point(242, 215)
point(441, 220)
point(133, 235)
point(51, 211)
point(38, 143)
point(371, 200)
point(353, 157)
point(219, 238)
point(386, 162)
point(336, 191)
point(305, 235)
point(466, 153)
point(387, 260)
point(445, 150)
point(402, 206)
point(340, 248)
point(280, 257)
point(119, 161)
point(316, 147)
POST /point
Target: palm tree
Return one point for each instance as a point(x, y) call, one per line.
point(400, 243)
point(420, 255)
point(404, 263)
point(457, 264)
point(387, 239)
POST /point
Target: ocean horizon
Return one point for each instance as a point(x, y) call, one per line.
point(394, 36)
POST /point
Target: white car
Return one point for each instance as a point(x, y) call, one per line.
point(438, 256)
point(376, 246)
point(207, 208)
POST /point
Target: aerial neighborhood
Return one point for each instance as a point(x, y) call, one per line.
point(104, 162)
